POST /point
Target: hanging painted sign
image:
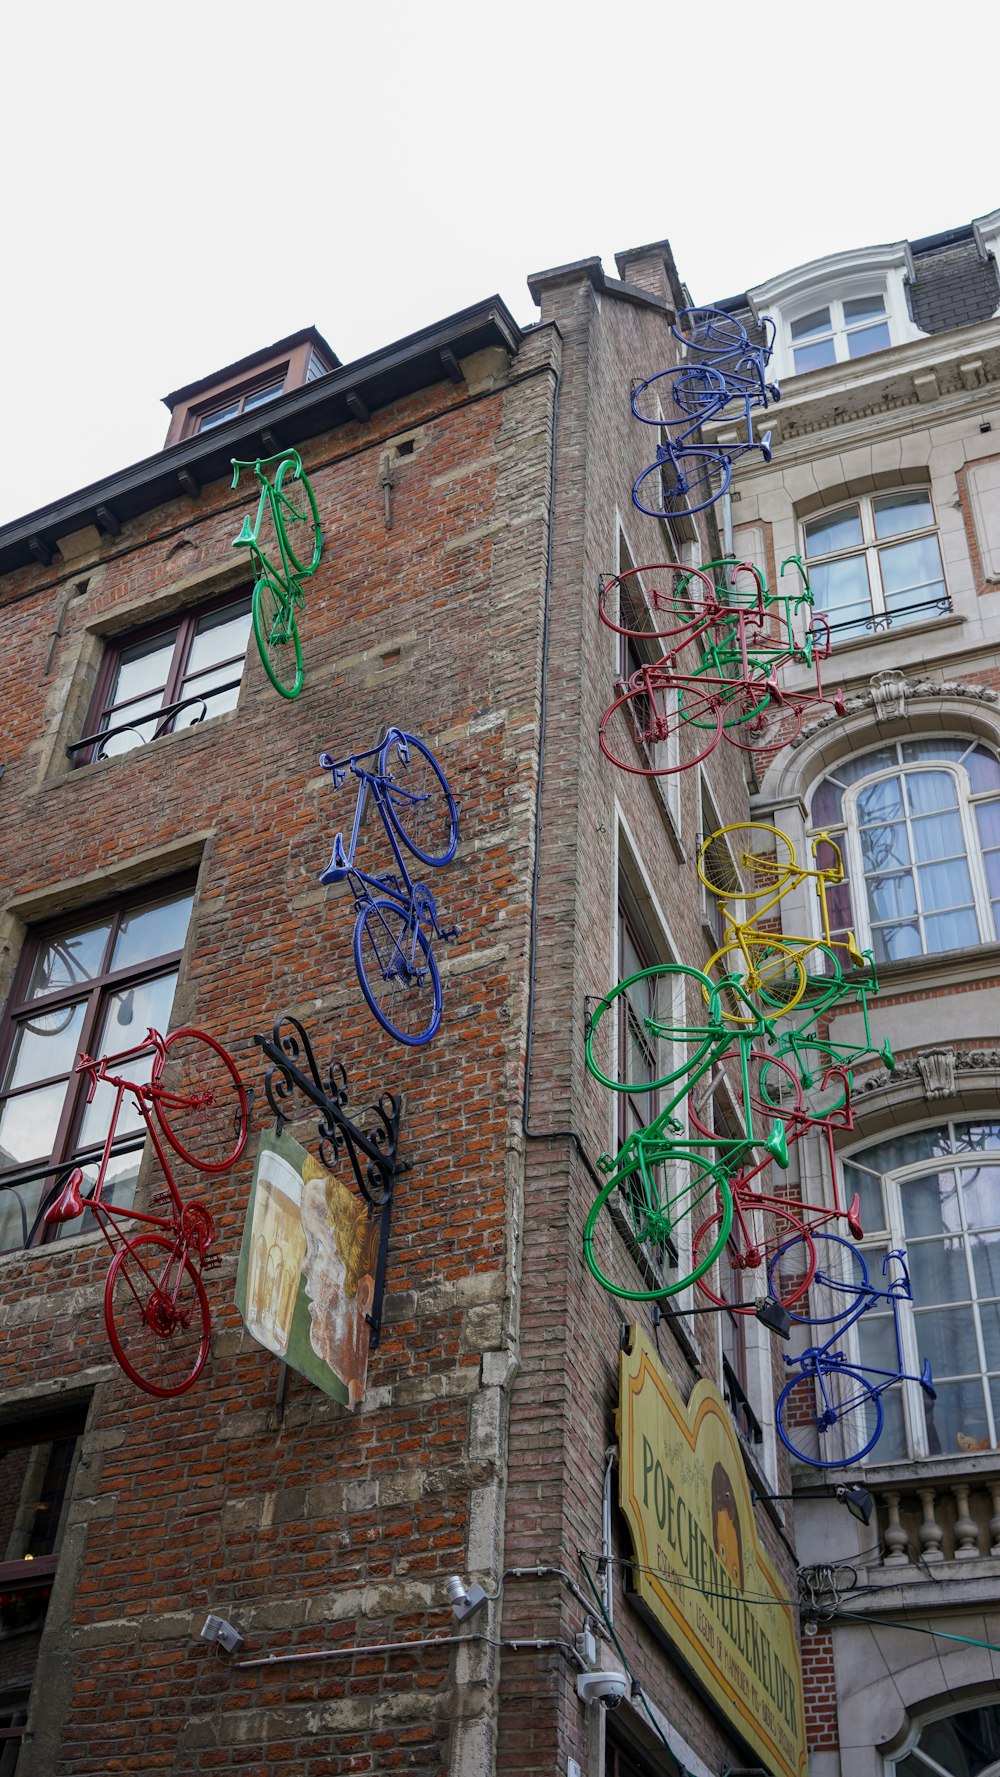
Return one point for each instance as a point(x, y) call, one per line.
point(306, 1276)
point(701, 1576)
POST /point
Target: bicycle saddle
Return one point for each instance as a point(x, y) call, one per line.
point(338, 866)
point(69, 1202)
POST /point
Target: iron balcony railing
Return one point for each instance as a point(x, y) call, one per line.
point(161, 720)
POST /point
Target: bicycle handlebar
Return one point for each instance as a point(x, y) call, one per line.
point(97, 1066)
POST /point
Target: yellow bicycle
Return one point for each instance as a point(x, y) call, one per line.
point(752, 866)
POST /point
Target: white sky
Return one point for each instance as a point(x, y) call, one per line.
point(185, 182)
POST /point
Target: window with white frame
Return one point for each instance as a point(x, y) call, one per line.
point(918, 826)
point(875, 562)
point(964, 1743)
point(845, 327)
point(935, 1193)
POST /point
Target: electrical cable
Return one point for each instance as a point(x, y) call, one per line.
point(637, 1690)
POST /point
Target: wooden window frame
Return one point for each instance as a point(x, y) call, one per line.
point(95, 993)
point(185, 622)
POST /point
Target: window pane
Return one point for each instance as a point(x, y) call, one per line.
point(826, 804)
point(930, 1205)
point(218, 416)
point(881, 802)
point(18, 1209)
point(885, 848)
point(148, 932)
point(906, 1150)
point(862, 340)
point(938, 1271)
point(869, 1190)
point(836, 530)
point(989, 1315)
point(976, 1138)
point(937, 836)
point(143, 668)
point(258, 396)
point(983, 768)
point(959, 1415)
point(129, 1014)
point(945, 886)
point(222, 635)
point(137, 732)
point(927, 791)
point(863, 308)
point(813, 357)
point(951, 931)
point(948, 1337)
point(911, 572)
point(986, 1263)
point(913, 751)
point(891, 897)
point(120, 1179)
point(211, 702)
point(28, 1125)
point(808, 326)
point(71, 958)
point(866, 764)
point(45, 1046)
point(840, 589)
point(893, 944)
point(898, 513)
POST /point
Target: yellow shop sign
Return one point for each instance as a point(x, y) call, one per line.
point(700, 1573)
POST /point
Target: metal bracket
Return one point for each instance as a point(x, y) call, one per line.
point(372, 1152)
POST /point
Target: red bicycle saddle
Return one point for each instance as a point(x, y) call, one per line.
point(69, 1203)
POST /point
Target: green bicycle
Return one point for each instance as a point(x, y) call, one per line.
point(278, 594)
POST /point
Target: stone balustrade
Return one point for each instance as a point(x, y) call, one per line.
point(930, 1520)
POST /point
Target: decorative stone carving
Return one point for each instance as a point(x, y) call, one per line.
point(937, 1071)
point(916, 689)
point(889, 692)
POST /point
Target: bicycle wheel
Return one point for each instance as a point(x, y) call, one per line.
point(632, 1246)
point(822, 1080)
point(200, 1100)
point(746, 861)
point(769, 974)
point(757, 724)
point(276, 628)
point(655, 612)
point(742, 1252)
point(417, 798)
point(839, 1277)
point(296, 517)
point(397, 971)
point(642, 1012)
point(710, 332)
point(829, 1417)
point(687, 482)
point(157, 1315)
point(653, 717)
point(700, 390)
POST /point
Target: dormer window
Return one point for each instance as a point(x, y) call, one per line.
point(229, 410)
point(849, 327)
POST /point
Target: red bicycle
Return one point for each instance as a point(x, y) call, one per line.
point(155, 1307)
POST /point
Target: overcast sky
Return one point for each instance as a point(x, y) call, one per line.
point(184, 183)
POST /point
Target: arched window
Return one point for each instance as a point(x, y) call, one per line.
point(936, 1194)
point(918, 824)
point(966, 1744)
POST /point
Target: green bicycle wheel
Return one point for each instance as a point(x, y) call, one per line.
point(630, 1240)
point(296, 518)
point(643, 1023)
point(277, 633)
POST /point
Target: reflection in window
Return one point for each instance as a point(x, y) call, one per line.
point(98, 986)
point(918, 825)
point(946, 1215)
point(960, 1745)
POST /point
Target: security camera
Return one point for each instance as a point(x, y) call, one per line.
point(222, 1633)
point(606, 1688)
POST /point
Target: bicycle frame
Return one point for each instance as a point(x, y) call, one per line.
point(821, 1361)
point(413, 897)
point(249, 536)
point(745, 933)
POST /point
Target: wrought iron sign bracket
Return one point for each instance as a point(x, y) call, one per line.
point(372, 1151)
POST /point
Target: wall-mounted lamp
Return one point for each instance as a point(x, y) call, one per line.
point(858, 1500)
point(464, 1600)
point(222, 1633)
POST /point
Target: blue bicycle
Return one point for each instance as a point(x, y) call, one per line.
point(830, 1414)
point(392, 950)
